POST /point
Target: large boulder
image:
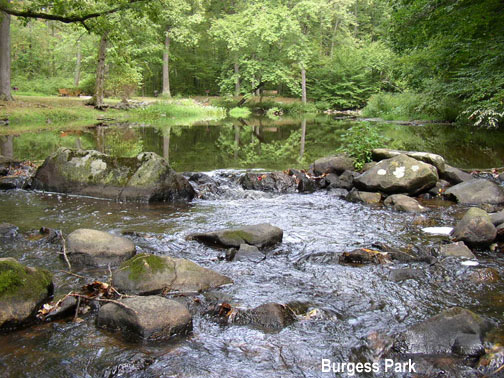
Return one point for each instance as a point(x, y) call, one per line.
point(437, 161)
point(332, 164)
point(475, 228)
point(400, 202)
point(148, 317)
point(22, 291)
point(260, 235)
point(278, 182)
point(97, 248)
point(146, 273)
point(455, 176)
point(476, 192)
point(456, 330)
point(145, 178)
point(400, 174)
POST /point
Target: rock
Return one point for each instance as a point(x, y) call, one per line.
point(400, 202)
point(260, 235)
point(14, 182)
point(206, 187)
point(475, 228)
point(277, 182)
point(332, 164)
point(146, 273)
point(149, 318)
point(455, 176)
point(458, 249)
point(344, 181)
point(500, 232)
point(476, 192)
point(249, 253)
point(368, 166)
point(438, 189)
point(484, 275)
point(364, 256)
point(437, 161)
point(456, 330)
point(268, 316)
point(145, 178)
point(497, 218)
point(364, 197)
point(400, 174)
point(98, 248)
point(340, 193)
point(405, 274)
point(22, 291)
point(304, 183)
point(8, 230)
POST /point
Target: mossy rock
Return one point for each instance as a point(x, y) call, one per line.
point(145, 178)
point(260, 235)
point(147, 273)
point(22, 291)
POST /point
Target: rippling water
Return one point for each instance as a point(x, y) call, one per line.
point(351, 302)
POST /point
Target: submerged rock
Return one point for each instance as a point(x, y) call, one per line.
point(8, 230)
point(458, 249)
point(268, 316)
point(455, 176)
point(476, 192)
point(456, 330)
point(401, 202)
point(145, 178)
point(364, 256)
point(405, 274)
point(332, 164)
point(437, 161)
point(149, 317)
point(22, 291)
point(146, 273)
point(248, 253)
point(364, 197)
point(278, 182)
point(485, 275)
point(98, 248)
point(260, 235)
point(475, 228)
point(400, 174)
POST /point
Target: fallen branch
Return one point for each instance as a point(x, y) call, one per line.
point(73, 274)
point(63, 241)
point(103, 300)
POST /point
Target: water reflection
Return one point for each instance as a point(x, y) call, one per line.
point(256, 142)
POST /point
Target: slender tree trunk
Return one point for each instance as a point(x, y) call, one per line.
point(166, 145)
point(356, 28)
point(51, 47)
point(237, 141)
point(333, 37)
point(237, 78)
point(97, 99)
point(303, 85)
point(5, 70)
point(166, 67)
point(303, 138)
point(7, 146)
point(78, 65)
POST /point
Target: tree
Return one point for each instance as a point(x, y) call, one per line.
point(5, 69)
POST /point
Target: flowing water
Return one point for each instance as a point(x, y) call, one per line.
point(340, 306)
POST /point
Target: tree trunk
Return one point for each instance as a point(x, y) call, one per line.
point(237, 79)
point(166, 145)
point(333, 37)
point(236, 141)
point(303, 139)
point(78, 65)
point(7, 146)
point(97, 99)
point(303, 85)
point(166, 67)
point(5, 70)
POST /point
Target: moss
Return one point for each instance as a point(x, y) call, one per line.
point(238, 235)
point(142, 263)
point(19, 281)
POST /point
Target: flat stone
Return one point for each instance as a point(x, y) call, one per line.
point(476, 192)
point(364, 197)
point(260, 235)
point(249, 253)
point(332, 164)
point(146, 317)
point(401, 202)
point(98, 248)
point(458, 249)
point(455, 176)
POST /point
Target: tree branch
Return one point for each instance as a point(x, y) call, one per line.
point(66, 19)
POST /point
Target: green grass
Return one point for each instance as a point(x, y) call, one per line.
point(240, 112)
point(172, 109)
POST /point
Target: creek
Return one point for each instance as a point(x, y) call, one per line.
point(342, 305)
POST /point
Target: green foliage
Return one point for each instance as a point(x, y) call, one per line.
point(178, 108)
point(240, 112)
point(359, 141)
point(21, 282)
point(142, 264)
point(411, 106)
point(41, 85)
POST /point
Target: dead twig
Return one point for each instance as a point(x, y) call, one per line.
point(77, 309)
point(103, 300)
point(72, 274)
point(63, 241)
